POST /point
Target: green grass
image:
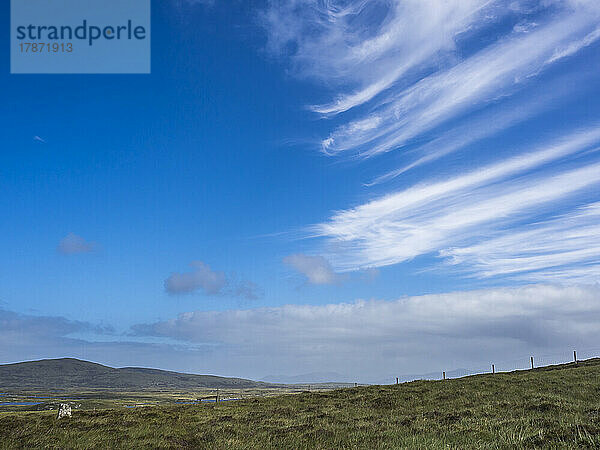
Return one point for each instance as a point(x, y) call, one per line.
point(555, 407)
point(103, 399)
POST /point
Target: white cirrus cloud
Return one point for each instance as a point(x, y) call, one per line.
point(404, 58)
point(486, 124)
point(566, 247)
point(466, 208)
point(368, 45)
point(428, 78)
point(445, 95)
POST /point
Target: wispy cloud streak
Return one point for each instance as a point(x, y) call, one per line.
point(403, 58)
point(485, 125)
point(430, 217)
point(368, 45)
point(430, 78)
point(567, 247)
point(480, 79)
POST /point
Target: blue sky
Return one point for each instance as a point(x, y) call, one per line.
point(374, 180)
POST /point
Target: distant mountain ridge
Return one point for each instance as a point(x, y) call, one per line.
point(315, 377)
point(71, 373)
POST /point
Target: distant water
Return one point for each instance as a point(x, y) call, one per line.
point(31, 396)
point(20, 403)
point(205, 400)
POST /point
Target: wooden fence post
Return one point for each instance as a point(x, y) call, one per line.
point(444, 375)
point(532, 362)
point(396, 380)
point(493, 369)
point(575, 356)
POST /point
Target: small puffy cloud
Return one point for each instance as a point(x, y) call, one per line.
point(316, 269)
point(39, 139)
point(247, 289)
point(201, 277)
point(72, 244)
point(210, 282)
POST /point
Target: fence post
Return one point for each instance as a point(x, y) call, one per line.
point(444, 375)
point(493, 369)
point(396, 380)
point(532, 362)
point(575, 356)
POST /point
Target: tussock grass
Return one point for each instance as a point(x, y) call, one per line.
point(557, 407)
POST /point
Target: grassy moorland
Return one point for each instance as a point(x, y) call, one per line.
point(553, 407)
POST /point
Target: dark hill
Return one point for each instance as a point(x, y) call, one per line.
point(69, 373)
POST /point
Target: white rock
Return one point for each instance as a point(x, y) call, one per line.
point(64, 410)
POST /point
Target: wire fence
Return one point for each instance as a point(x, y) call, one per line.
point(534, 360)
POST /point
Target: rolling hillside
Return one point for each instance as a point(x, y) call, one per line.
point(69, 373)
point(550, 407)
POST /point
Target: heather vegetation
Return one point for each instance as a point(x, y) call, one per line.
point(552, 407)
